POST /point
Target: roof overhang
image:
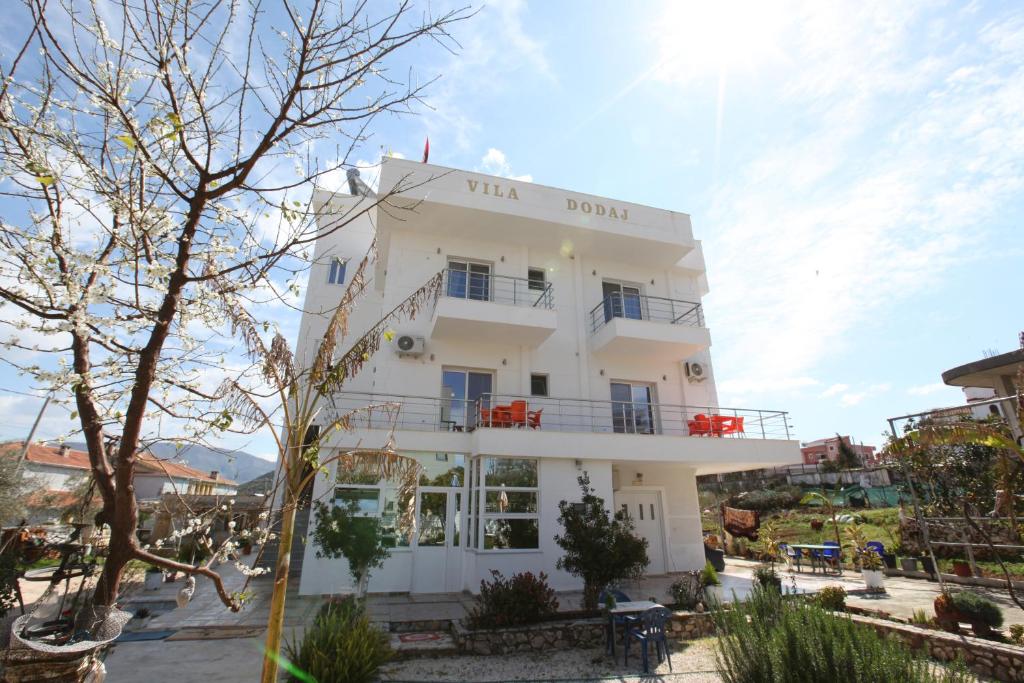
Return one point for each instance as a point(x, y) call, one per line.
point(993, 372)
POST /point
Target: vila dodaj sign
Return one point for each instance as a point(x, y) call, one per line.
point(582, 206)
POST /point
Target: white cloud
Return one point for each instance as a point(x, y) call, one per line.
point(926, 389)
point(835, 389)
point(852, 398)
point(495, 163)
point(855, 209)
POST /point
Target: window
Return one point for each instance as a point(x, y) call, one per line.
point(460, 391)
point(621, 301)
point(469, 280)
point(538, 385)
point(632, 408)
point(509, 502)
point(536, 278)
point(337, 274)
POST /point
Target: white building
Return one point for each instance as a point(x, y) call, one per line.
point(568, 338)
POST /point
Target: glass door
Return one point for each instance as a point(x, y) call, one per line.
point(621, 301)
point(632, 408)
point(468, 280)
point(437, 563)
point(460, 390)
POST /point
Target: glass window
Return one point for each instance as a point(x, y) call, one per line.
point(538, 385)
point(443, 469)
point(511, 501)
point(509, 534)
point(521, 472)
point(468, 280)
point(632, 408)
point(621, 301)
point(536, 278)
point(367, 500)
point(336, 276)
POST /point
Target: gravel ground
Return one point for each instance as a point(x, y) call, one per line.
point(692, 662)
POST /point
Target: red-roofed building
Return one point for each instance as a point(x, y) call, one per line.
point(57, 470)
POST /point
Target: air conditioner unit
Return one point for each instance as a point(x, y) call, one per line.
point(696, 372)
point(407, 345)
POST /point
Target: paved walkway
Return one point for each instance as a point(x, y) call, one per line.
point(207, 642)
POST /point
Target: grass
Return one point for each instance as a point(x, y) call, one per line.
point(794, 526)
point(990, 568)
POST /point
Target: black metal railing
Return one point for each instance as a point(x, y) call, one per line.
point(509, 411)
point(501, 289)
point(640, 307)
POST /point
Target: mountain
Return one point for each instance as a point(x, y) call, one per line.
point(238, 466)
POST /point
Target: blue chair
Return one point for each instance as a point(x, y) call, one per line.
point(623, 620)
point(876, 546)
point(831, 554)
point(652, 628)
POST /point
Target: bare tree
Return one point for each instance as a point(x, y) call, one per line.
point(158, 156)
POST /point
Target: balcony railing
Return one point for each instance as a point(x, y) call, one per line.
point(502, 289)
point(535, 413)
point(639, 307)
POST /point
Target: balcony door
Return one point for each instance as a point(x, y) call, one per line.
point(460, 390)
point(437, 559)
point(632, 408)
point(469, 280)
point(621, 301)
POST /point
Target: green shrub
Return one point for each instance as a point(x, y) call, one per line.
point(341, 646)
point(769, 499)
point(768, 638)
point(831, 598)
point(708, 576)
point(523, 599)
point(598, 547)
point(686, 591)
point(1017, 634)
point(977, 607)
point(767, 578)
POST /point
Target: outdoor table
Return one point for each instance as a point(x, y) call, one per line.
point(623, 609)
point(818, 546)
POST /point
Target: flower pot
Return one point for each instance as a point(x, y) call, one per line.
point(889, 560)
point(928, 566)
point(153, 580)
point(874, 579)
point(908, 564)
point(713, 594)
point(961, 568)
point(716, 557)
point(247, 550)
point(171, 577)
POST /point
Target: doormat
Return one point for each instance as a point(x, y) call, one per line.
point(218, 632)
point(418, 637)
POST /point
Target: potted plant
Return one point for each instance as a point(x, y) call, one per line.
point(868, 558)
point(953, 607)
point(713, 552)
point(154, 577)
point(962, 568)
point(928, 565)
point(908, 564)
point(766, 577)
point(245, 544)
point(711, 584)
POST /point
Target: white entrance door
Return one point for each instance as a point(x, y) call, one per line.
point(437, 562)
point(644, 507)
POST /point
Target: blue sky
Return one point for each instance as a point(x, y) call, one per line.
point(854, 170)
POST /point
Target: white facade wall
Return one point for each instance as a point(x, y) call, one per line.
point(413, 252)
point(53, 478)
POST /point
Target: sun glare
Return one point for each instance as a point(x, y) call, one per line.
point(697, 39)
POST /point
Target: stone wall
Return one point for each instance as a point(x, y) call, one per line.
point(560, 635)
point(998, 660)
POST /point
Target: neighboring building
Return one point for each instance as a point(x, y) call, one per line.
point(814, 452)
point(568, 339)
point(58, 470)
point(991, 378)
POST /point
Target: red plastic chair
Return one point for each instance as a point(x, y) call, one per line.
point(485, 417)
point(700, 425)
point(501, 416)
point(517, 414)
point(533, 418)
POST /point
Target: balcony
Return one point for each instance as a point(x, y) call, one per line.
point(493, 308)
point(633, 324)
point(712, 439)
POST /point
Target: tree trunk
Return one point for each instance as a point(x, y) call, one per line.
point(275, 623)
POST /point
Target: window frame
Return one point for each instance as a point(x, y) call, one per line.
point(337, 266)
point(479, 494)
point(537, 284)
point(547, 384)
point(468, 263)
